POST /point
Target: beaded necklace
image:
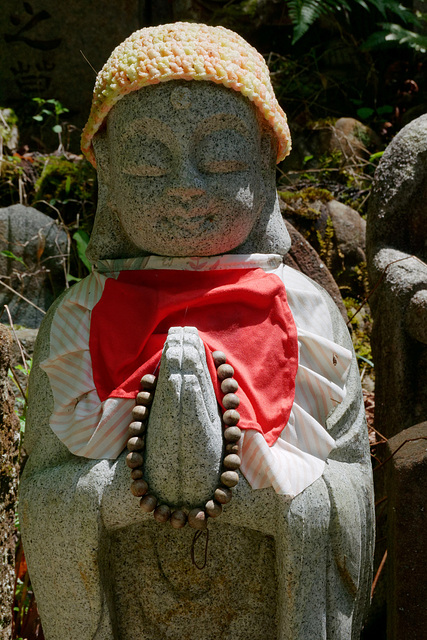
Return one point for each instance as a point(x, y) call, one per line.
point(197, 517)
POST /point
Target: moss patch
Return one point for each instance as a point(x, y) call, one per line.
point(361, 329)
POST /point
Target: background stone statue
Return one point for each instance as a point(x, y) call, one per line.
point(187, 173)
point(36, 248)
point(397, 253)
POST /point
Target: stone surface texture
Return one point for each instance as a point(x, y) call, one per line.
point(277, 569)
point(353, 139)
point(349, 233)
point(9, 473)
point(406, 487)
point(41, 246)
point(397, 262)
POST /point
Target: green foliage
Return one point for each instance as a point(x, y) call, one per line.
point(8, 123)
point(331, 160)
point(81, 239)
point(394, 34)
point(62, 185)
point(326, 243)
point(361, 328)
point(305, 203)
point(8, 254)
point(308, 194)
point(64, 181)
point(304, 13)
point(50, 112)
point(376, 156)
point(17, 373)
point(364, 113)
point(12, 176)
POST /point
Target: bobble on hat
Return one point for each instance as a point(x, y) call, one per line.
point(185, 51)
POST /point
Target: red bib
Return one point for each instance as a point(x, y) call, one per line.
point(242, 312)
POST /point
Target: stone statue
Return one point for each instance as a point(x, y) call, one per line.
point(397, 260)
point(189, 293)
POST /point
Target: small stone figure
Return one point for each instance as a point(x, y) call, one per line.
point(34, 250)
point(235, 373)
point(397, 261)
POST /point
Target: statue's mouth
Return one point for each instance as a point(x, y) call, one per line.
point(185, 220)
point(190, 224)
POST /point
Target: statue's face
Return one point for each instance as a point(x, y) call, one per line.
point(185, 168)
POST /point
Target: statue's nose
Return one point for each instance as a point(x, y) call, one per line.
point(187, 182)
point(186, 194)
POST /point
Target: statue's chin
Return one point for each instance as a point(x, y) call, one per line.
point(192, 246)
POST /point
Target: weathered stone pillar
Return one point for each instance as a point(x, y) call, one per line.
point(9, 434)
point(407, 521)
point(396, 255)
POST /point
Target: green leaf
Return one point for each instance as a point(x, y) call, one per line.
point(376, 156)
point(82, 240)
point(22, 369)
point(385, 109)
point(362, 4)
point(395, 35)
point(71, 278)
point(9, 254)
point(38, 117)
point(365, 112)
point(371, 364)
point(57, 128)
point(304, 13)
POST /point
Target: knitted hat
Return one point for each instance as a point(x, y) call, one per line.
point(185, 51)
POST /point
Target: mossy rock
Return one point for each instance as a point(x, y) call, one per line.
point(325, 223)
point(9, 128)
point(360, 319)
point(66, 182)
point(307, 202)
point(58, 185)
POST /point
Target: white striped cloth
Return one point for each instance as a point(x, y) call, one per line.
point(95, 429)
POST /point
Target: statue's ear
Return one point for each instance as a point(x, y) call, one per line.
point(269, 234)
point(108, 240)
point(102, 152)
point(269, 147)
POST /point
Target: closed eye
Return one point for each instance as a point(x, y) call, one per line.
point(145, 170)
point(224, 166)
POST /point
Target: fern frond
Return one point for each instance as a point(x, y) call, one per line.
point(304, 13)
point(393, 34)
point(393, 7)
